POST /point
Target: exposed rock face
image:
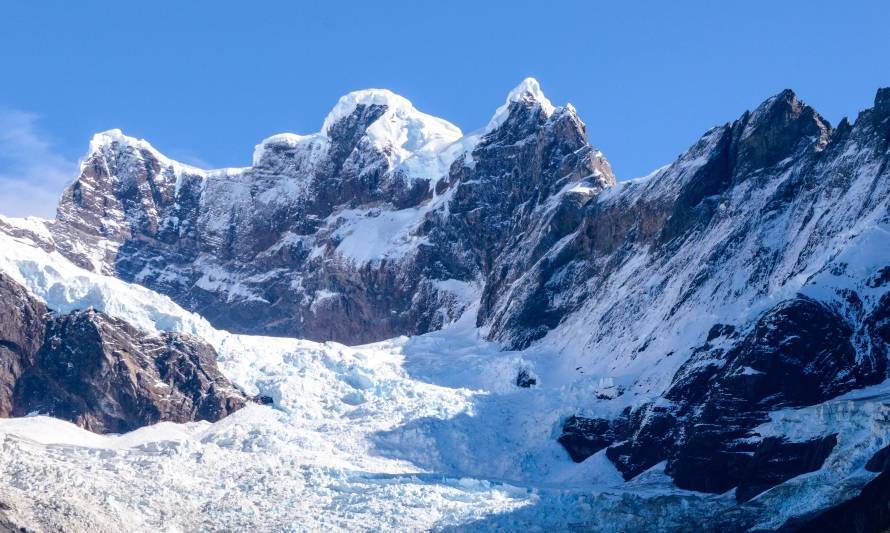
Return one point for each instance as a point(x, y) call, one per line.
point(526, 379)
point(776, 461)
point(22, 328)
point(583, 437)
point(101, 373)
point(800, 353)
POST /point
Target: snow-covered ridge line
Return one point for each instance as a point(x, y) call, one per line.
point(419, 139)
point(104, 139)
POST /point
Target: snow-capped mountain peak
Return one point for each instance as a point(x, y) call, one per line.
point(107, 143)
point(373, 122)
point(399, 125)
point(107, 137)
point(113, 143)
point(528, 92)
point(347, 104)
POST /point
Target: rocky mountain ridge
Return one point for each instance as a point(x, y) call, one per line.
point(384, 223)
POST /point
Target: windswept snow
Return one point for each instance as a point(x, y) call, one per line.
point(367, 235)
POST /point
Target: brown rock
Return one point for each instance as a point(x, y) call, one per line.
point(102, 373)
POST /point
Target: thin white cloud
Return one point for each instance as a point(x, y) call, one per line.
point(32, 173)
point(189, 158)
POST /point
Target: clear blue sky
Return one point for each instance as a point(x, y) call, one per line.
point(205, 81)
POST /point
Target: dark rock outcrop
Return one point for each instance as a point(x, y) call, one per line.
point(583, 437)
point(102, 373)
point(799, 353)
point(22, 329)
point(525, 378)
point(7, 526)
point(776, 461)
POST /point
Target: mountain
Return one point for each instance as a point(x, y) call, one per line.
point(699, 328)
point(752, 277)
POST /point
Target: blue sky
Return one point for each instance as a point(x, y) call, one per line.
point(205, 81)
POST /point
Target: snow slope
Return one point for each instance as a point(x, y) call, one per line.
point(428, 432)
